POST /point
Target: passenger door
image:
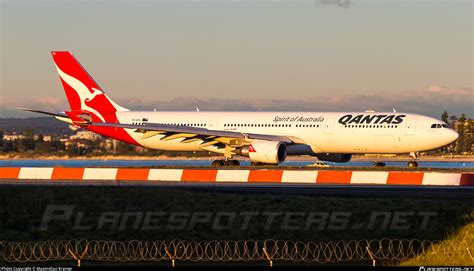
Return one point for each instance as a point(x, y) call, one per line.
point(212, 125)
point(410, 127)
point(329, 126)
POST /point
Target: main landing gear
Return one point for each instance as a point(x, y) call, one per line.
point(379, 164)
point(225, 163)
point(412, 163)
point(228, 161)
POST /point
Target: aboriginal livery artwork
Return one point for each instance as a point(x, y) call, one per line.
point(371, 119)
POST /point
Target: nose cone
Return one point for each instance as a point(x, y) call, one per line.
point(451, 136)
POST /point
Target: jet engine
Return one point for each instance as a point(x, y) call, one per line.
point(335, 157)
point(270, 152)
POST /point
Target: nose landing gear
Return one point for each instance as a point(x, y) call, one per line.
point(379, 164)
point(413, 163)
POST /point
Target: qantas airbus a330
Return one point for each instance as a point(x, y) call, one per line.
point(264, 137)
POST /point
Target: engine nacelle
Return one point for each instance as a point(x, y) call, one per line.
point(270, 152)
point(335, 157)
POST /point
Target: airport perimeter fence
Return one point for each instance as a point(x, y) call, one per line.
point(370, 251)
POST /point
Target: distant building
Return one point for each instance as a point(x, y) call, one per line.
point(108, 144)
point(65, 141)
point(88, 135)
point(12, 137)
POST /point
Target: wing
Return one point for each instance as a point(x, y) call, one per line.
point(189, 134)
point(210, 139)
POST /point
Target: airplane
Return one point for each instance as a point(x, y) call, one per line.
point(263, 137)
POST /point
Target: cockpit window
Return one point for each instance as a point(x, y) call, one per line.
point(437, 125)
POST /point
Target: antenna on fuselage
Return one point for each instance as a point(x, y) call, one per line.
point(197, 109)
point(394, 111)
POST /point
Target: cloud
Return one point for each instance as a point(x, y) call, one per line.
point(431, 101)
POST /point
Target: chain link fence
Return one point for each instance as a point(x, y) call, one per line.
point(224, 251)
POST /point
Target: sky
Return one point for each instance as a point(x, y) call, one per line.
point(311, 55)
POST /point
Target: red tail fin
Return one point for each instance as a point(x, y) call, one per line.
point(82, 92)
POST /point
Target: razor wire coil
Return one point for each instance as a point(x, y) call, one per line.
point(223, 251)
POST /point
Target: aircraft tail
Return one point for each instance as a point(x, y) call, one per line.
point(82, 92)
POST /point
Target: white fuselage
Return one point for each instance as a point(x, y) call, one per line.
point(323, 132)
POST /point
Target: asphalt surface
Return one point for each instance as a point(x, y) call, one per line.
point(401, 191)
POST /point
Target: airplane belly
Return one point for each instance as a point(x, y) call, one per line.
point(386, 144)
point(345, 143)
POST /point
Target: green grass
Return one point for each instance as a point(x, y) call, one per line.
point(456, 250)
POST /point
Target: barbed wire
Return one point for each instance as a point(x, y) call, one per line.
point(226, 251)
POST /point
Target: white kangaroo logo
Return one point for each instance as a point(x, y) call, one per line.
point(83, 92)
point(94, 93)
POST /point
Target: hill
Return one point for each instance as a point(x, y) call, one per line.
point(40, 125)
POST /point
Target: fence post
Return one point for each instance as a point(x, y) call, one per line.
point(371, 255)
point(169, 255)
point(78, 259)
point(268, 256)
point(470, 254)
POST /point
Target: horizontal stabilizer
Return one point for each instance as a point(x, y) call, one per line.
point(60, 114)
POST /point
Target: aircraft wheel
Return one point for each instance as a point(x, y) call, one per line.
point(235, 163)
point(412, 164)
point(218, 163)
point(231, 163)
point(379, 164)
